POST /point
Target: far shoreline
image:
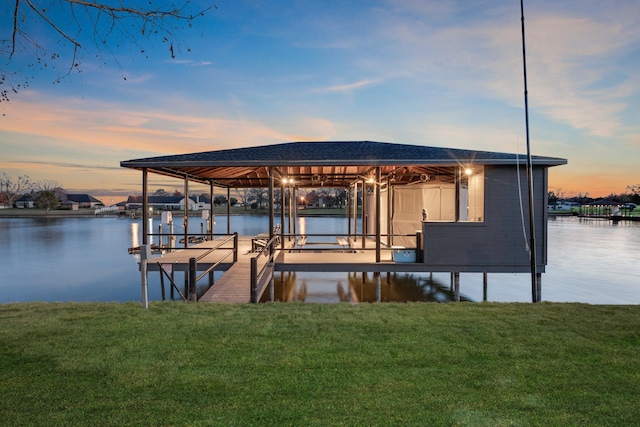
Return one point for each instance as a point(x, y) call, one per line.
point(218, 211)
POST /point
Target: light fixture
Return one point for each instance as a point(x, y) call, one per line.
point(468, 171)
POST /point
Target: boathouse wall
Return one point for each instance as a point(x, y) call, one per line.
point(499, 243)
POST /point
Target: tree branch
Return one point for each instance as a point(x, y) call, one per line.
point(15, 29)
point(115, 10)
point(53, 25)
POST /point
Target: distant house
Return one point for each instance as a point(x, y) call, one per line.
point(563, 205)
point(162, 203)
point(26, 201)
point(69, 205)
point(83, 200)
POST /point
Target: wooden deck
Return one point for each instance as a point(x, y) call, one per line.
point(179, 259)
point(235, 284)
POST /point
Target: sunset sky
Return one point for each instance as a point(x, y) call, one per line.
point(437, 73)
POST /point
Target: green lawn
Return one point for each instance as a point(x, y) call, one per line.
point(309, 364)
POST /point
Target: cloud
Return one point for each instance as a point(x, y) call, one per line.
point(118, 126)
point(36, 164)
point(347, 88)
point(580, 60)
point(188, 62)
point(82, 141)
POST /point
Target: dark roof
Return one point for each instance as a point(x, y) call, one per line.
point(82, 198)
point(348, 159)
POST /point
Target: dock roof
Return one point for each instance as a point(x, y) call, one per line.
point(328, 163)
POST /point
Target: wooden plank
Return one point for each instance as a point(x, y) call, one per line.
point(234, 285)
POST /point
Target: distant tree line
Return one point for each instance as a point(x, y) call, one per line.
point(48, 194)
point(258, 198)
point(632, 195)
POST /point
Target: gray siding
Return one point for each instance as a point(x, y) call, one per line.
point(498, 243)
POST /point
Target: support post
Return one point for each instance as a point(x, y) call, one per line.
point(458, 191)
point(211, 216)
point(378, 219)
point(349, 203)
point(271, 210)
point(254, 280)
point(282, 203)
point(355, 210)
point(419, 247)
point(145, 254)
point(294, 211)
point(193, 275)
point(378, 287)
point(162, 291)
point(145, 207)
point(228, 210)
point(186, 212)
point(484, 286)
point(389, 210)
point(538, 287)
point(364, 210)
point(272, 289)
point(171, 290)
point(235, 246)
point(456, 287)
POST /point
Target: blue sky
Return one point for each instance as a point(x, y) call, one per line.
point(438, 73)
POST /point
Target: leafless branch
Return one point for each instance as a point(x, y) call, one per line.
point(50, 22)
point(15, 29)
point(106, 21)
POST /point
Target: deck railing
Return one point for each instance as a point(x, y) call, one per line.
point(193, 277)
point(106, 209)
point(262, 273)
point(348, 241)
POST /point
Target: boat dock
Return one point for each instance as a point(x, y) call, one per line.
point(248, 272)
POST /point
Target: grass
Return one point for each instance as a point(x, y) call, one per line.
point(309, 364)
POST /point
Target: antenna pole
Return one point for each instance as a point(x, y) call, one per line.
point(532, 239)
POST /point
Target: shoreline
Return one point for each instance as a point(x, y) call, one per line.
point(89, 213)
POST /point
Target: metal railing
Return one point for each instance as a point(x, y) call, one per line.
point(193, 277)
point(353, 242)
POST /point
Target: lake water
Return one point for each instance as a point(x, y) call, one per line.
point(86, 259)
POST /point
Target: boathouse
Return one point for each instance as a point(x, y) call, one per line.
point(411, 208)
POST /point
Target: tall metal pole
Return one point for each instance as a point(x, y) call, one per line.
point(532, 239)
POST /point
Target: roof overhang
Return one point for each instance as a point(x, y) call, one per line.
point(332, 164)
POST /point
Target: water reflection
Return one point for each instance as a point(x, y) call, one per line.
point(86, 259)
point(358, 287)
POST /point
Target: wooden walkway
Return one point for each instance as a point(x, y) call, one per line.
point(235, 284)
